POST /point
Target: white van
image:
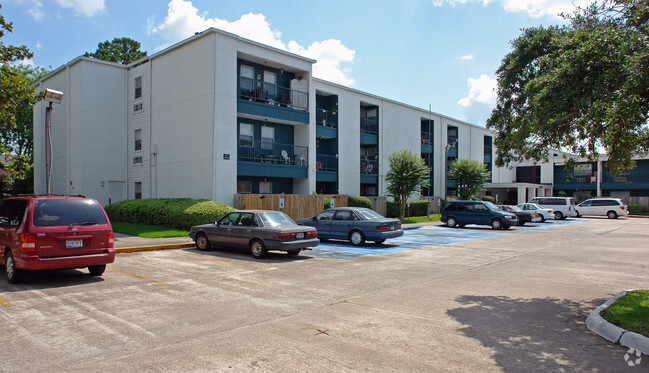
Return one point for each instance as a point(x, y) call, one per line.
point(563, 206)
point(611, 207)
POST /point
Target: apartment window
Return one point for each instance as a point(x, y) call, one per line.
point(244, 187)
point(138, 190)
point(137, 107)
point(137, 160)
point(267, 138)
point(138, 87)
point(246, 134)
point(247, 74)
point(138, 140)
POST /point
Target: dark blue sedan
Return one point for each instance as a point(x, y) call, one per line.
point(355, 224)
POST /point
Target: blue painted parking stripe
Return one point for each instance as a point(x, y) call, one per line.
point(426, 236)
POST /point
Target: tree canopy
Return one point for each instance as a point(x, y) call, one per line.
point(408, 173)
point(582, 88)
point(470, 175)
point(121, 50)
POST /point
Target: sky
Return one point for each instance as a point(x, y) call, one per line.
point(437, 54)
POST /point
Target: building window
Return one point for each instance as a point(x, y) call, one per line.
point(247, 80)
point(244, 187)
point(137, 160)
point(138, 140)
point(267, 138)
point(246, 134)
point(138, 87)
point(137, 107)
point(138, 190)
point(270, 83)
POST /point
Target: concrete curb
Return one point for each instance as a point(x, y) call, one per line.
point(612, 333)
point(152, 248)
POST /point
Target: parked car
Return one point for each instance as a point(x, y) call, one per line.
point(563, 206)
point(611, 207)
point(523, 216)
point(256, 230)
point(544, 212)
point(355, 224)
point(461, 213)
point(54, 232)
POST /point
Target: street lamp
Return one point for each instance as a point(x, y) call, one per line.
point(53, 97)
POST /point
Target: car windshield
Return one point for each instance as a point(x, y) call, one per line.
point(491, 206)
point(59, 212)
point(370, 214)
point(275, 219)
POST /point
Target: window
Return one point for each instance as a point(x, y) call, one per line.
point(246, 134)
point(61, 212)
point(12, 211)
point(267, 138)
point(138, 140)
point(244, 187)
point(247, 74)
point(270, 83)
point(265, 187)
point(138, 87)
point(137, 160)
point(343, 215)
point(137, 107)
point(138, 190)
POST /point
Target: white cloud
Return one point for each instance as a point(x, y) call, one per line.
point(533, 8)
point(468, 57)
point(481, 90)
point(183, 20)
point(86, 8)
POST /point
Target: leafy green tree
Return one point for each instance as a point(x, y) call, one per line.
point(470, 176)
point(408, 173)
point(121, 50)
point(582, 87)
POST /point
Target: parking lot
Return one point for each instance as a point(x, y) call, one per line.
point(438, 299)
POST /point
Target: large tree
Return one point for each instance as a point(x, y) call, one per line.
point(408, 173)
point(121, 50)
point(582, 87)
point(470, 176)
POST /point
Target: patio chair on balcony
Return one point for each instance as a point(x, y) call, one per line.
point(261, 95)
point(285, 157)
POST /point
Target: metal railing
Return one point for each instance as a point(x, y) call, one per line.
point(369, 166)
point(269, 152)
point(326, 163)
point(370, 126)
point(272, 94)
point(426, 138)
point(327, 118)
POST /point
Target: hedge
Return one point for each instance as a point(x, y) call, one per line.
point(417, 208)
point(488, 199)
point(635, 208)
point(359, 201)
point(179, 213)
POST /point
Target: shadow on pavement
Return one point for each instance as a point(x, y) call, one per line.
point(539, 334)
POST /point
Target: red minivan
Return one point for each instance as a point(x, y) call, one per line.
point(54, 232)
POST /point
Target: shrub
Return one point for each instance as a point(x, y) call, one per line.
point(359, 201)
point(562, 194)
point(179, 213)
point(488, 199)
point(635, 208)
point(417, 208)
point(327, 203)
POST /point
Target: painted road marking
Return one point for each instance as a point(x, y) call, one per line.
point(426, 236)
point(3, 302)
point(220, 261)
point(134, 275)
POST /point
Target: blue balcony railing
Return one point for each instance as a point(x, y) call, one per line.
point(269, 152)
point(369, 166)
point(369, 126)
point(426, 138)
point(272, 94)
point(327, 163)
point(327, 118)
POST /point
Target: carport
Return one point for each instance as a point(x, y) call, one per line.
point(515, 193)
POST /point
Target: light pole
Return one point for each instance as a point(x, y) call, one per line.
point(53, 97)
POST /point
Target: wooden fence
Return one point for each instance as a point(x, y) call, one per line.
point(641, 200)
point(297, 206)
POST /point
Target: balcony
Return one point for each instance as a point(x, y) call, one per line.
point(271, 100)
point(326, 167)
point(369, 126)
point(261, 158)
point(369, 166)
point(426, 142)
point(326, 118)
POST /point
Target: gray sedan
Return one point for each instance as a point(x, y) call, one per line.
point(256, 230)
point(355, 224)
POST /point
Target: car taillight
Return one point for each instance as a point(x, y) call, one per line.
point(312, 234)
point(399, 225)
point(621, 207)
point(382, 227)
point(28, 243)
point(283, 236)
point(111, 239)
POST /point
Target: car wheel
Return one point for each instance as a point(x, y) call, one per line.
point(258, 249)
point(577, 213)
point(14, 275)
point(357, 238)
point(612, 215)
point(496, 224)
point(97, 270)
point(558, 215)
point(202, 243)
point(293, 252)
point(378, 242)
point(451, 222)
point(542, 219)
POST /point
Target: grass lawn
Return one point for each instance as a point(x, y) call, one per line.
point(630, 312)
point(420, 219)
point(147, 231)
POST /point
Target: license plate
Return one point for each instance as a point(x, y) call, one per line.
point(392, 228)
point(299, 235)
point(70, 244)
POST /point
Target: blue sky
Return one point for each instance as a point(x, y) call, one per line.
point(442, 53)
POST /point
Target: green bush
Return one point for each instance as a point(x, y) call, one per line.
point(417, 208)
point(179, 213)
point(488, 199)
point(635, 208)
point(562, 194)
point(327, 203)
point(359, 201)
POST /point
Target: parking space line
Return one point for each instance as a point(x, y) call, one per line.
point(221, 261)
point(3, 302)
point(134, 275)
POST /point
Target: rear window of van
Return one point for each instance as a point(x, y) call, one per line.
point(61, 212)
